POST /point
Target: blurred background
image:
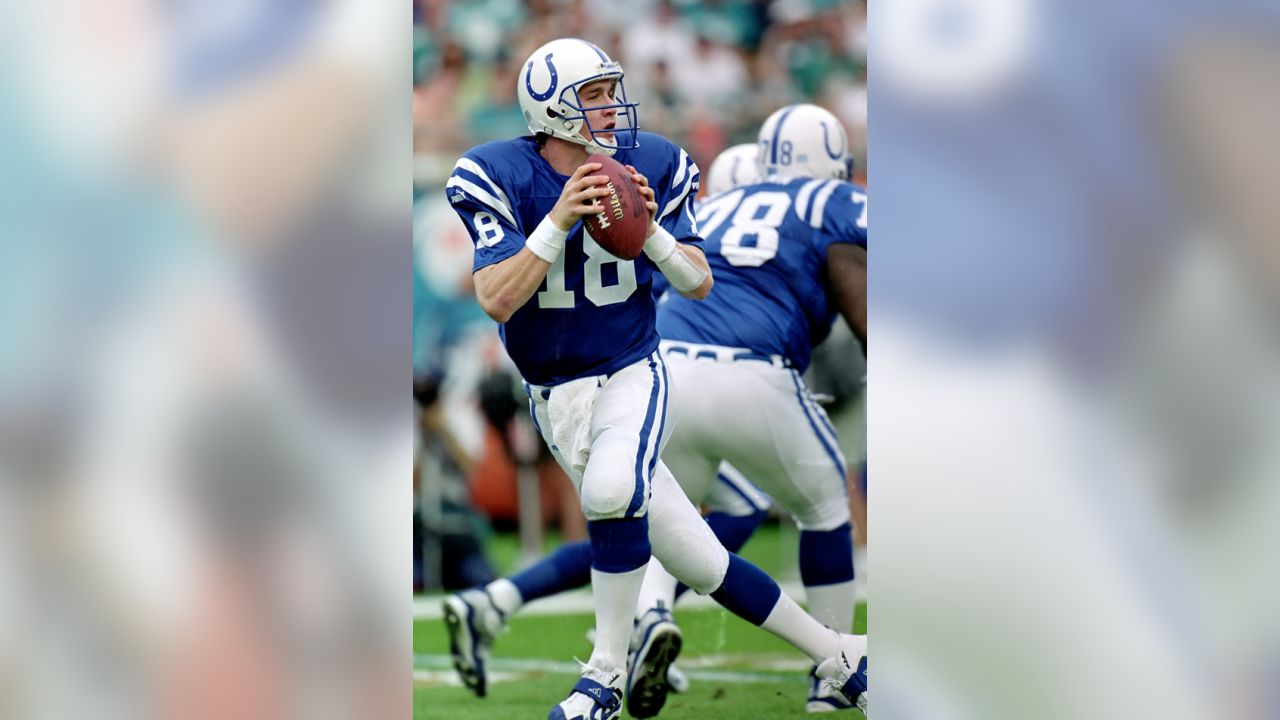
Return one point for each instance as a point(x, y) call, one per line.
point(205, 303)
point(205, 343)
point(490, 498)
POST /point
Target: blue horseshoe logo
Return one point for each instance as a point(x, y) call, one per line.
point(528, 80)
point(826, 144)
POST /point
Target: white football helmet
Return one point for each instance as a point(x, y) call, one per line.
point(733, 167)
point(804, 141)
point(548, 87)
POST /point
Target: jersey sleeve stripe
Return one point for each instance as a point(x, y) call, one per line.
point(483, 196)
point(802, 198)
point(820, 203)
point(680, 196)
point(693, 219)
point(681, 167)
point(474, 168)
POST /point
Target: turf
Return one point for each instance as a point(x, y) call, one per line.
point(737, 645)
point(535, 660)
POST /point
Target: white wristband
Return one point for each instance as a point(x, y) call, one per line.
point(664, 251)
point(546, 241)
point(659, 245)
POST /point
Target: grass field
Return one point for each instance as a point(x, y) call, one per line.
point(737, 671)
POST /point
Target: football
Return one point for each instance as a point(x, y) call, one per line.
point(620, 225)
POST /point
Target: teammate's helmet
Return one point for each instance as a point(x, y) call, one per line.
point(804, 141)
point(733, 167)
point(548, 87)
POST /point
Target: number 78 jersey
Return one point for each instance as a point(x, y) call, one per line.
point(594, 314)
point(767, 247)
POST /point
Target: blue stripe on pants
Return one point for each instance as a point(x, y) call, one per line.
point(637, 498)
point(831, 452)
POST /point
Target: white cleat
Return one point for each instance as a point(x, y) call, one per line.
point(846, 673)
point(596, 696)
point(823, 698)
point(655, 643)
point(473, 621)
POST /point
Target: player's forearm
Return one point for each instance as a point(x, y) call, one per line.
point(699, 260)
point(684, 266)
point(503, 288)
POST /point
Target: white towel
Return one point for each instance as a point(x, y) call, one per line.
point(569, 409)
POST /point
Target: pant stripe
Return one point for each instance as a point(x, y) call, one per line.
point(662, 424)
point(831, 451)
point(533, 413)
point(740, 492)
point(643, 449)
point(824, 425)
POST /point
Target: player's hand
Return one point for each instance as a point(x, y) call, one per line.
point(650, 199)
point(579, 196)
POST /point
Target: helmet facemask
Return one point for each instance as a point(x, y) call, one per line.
point(625, 122)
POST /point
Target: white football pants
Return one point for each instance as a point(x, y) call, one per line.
point(758, 415)
point(607, 432)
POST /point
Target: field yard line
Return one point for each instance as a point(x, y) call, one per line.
point(439, 668)
point(579, 601)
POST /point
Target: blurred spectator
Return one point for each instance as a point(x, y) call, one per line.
point(447, 531)
point(662, 37)
point(720, 81)
point(706, 72)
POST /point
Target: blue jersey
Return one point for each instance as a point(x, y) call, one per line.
point(594, 314)
point(767, 247)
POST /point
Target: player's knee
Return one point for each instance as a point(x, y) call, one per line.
point(610, 486)
point(823, 519)
point(605, 498)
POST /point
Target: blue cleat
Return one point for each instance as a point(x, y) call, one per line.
point(655, 643)
point(473, 621)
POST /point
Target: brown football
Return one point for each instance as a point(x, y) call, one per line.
point(620, 226)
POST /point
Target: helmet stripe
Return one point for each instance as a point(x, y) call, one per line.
point(603, 57)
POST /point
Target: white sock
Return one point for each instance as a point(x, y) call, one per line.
point(506, 596)
point(615, 600)
point(832, 605)
point(659, 587)
point(790, 622)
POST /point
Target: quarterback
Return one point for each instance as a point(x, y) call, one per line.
point(579, 324)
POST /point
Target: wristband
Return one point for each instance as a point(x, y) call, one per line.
point(659, 245)
point(546, 241)
point(664, 251)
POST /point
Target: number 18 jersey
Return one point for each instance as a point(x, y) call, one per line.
point(594, 314)
point(767, 247)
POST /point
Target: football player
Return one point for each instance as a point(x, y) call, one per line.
point(579, 324)
point(735, 507)
point(734, 166)
point(788, 253)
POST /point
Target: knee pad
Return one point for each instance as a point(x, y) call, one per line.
point(610, 487)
